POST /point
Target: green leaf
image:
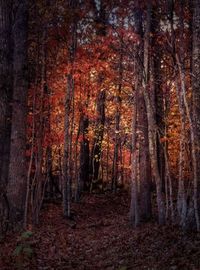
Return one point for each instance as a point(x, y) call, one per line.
point(18, 250)
point(26, 234)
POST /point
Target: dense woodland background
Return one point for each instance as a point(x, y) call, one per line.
point(97, 97)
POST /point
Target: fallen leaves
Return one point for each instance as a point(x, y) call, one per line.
point(102, 239)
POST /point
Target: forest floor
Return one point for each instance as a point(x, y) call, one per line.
point(99, 237)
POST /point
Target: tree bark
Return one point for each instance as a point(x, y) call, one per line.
point(66, 161)
point(99, 132)
point(5, 87)
point(115, 173)
point(144, 161)
point(134, 207)
point(68, 111)
point(18, 166)
point(196, 102)
point(84, 155)
point(141, 172)
point(152, 127)
point(101, 31)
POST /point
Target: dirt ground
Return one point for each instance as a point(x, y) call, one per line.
point(99, 237)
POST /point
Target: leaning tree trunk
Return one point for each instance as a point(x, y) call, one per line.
point(18, 167)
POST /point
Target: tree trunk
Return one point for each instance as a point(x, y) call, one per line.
point(18, 167)
point(152, 127)
point(99, 132)
point(84, 159)
point(67, 162)
point(5, 87)
point(157, 93)
point(144, 161)
point(38, 182)
point(196, 102)
point(5, 108)
point(101, 31)
point(115, 173)
point(141, 172)
point(134, 207)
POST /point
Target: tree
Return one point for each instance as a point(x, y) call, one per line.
point(84, 155)
point(196, 102)
point(101, 23)
point(152, 127)
point(18, 167)
point(5, 102)
point(115, 173)
point(5, 87)
point(141, 172)
point(68, 110)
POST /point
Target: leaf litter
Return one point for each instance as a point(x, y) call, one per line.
point(99, 237)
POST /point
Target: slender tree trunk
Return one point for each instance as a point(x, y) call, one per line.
point(28, 186)
point(5, 108)
point(183, 208)
point(152, 127)
point(181, 199)
point(196, 102)
point(134, 207)
point(117, 127)
point(192, 139)
point(67, 161)
point(38, 183)
point(18, 167)
point(84, 153)
point(144, 161)
point(157, 92)
point(5, 87)
point(141, 187)
point(99, 132)
point(101, 31)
